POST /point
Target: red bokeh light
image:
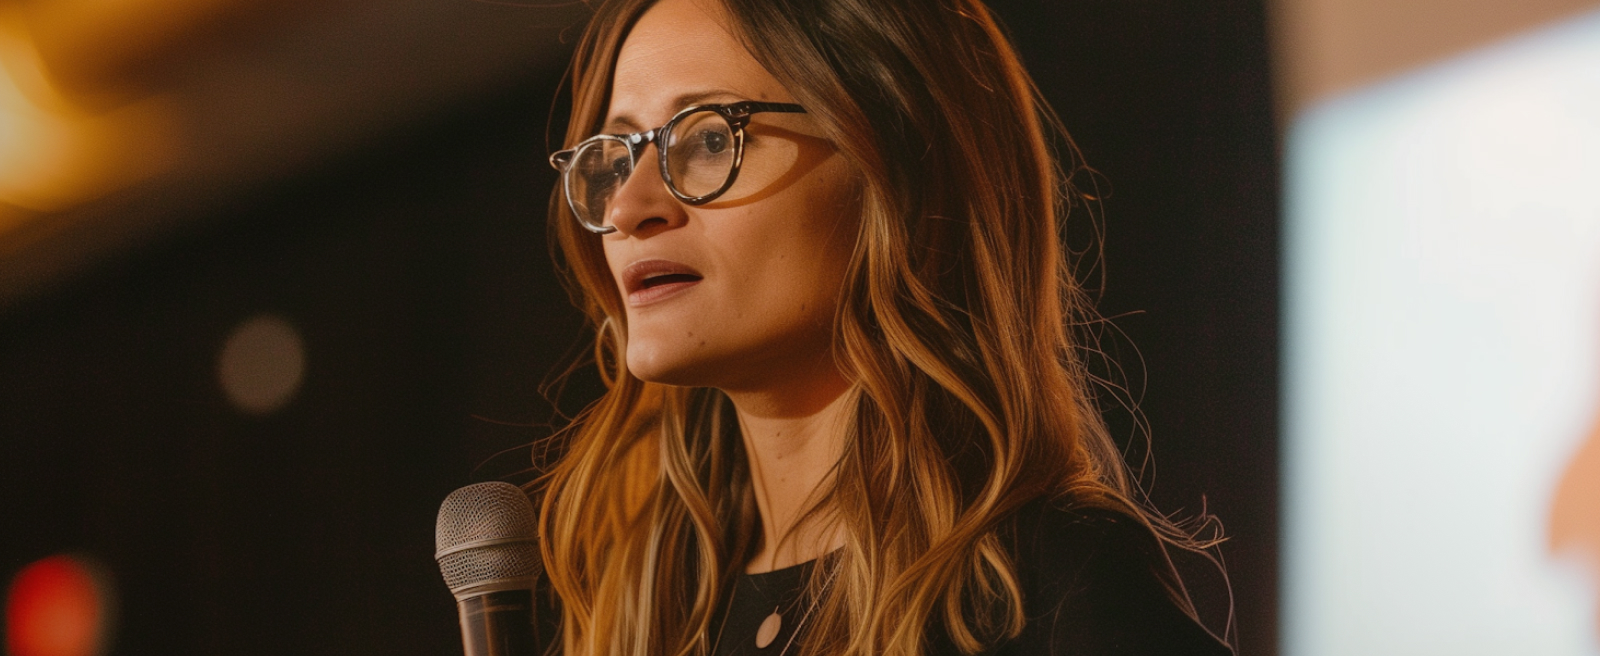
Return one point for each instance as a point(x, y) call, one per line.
point(56, 607)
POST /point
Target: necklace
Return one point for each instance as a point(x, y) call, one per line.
point(769, 628)
point(773, 624)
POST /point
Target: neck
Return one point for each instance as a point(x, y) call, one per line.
point(793, 438)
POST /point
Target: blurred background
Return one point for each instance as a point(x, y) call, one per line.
point(273, 281)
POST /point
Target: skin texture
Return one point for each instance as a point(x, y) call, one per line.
point(770, 254)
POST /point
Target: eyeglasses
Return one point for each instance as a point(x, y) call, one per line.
point(701, 149)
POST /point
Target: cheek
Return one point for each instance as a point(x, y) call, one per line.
point(807, 270)
point(836, 228)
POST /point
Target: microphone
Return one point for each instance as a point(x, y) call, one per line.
point(485, 544)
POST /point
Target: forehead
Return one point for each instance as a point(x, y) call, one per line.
point(682, 49)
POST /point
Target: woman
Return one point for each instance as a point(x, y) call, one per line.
point(819, 240)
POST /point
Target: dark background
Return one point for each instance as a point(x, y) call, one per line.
point(415, 268)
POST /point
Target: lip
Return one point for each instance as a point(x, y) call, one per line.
point(648, 281)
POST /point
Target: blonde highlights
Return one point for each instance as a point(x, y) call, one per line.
point(958, 326)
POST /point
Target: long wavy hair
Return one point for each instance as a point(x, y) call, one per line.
point(960, 325)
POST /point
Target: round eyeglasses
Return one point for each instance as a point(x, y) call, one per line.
point(701, 149)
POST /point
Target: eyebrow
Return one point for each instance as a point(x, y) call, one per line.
point(628, 123)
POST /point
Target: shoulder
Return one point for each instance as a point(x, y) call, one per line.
point(1098, 581)
point(1059, 544)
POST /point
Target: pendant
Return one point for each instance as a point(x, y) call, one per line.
point(769, 629)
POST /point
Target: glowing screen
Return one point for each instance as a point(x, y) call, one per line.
point(1443, 351)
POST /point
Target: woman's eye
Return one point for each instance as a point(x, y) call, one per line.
point(712, 142)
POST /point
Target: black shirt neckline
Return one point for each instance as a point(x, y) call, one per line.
point(756, 596)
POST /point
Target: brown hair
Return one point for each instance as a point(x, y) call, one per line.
point(960, 325)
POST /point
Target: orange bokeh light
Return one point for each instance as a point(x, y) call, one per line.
point(56, 607)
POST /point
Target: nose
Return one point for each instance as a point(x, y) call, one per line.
point(642, 206)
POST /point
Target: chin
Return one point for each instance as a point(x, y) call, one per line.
point(657, 365)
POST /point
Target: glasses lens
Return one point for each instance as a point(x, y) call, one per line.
point(598, 169)
point(700, 153)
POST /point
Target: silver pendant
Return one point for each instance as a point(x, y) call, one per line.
point(769, 629)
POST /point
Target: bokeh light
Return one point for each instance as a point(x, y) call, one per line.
point(59, 606)
point(56, 154)
point(262, 364)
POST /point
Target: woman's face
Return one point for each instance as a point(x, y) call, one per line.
point(738, 293)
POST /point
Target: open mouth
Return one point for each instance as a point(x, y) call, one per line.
point(667, 279)
point(651, 280)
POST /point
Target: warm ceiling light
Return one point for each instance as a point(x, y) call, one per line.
point(93, 47)
point(53, 155)
point(34, 142)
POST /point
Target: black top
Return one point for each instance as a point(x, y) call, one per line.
point(1094, 582)
point(756, 596)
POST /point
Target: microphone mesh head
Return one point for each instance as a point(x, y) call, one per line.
point(485, 539)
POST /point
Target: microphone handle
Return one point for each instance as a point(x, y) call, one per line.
point(498, 623)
